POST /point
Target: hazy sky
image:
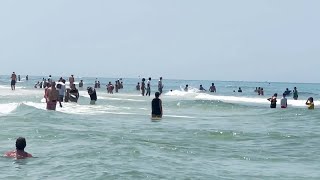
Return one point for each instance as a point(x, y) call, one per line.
point(255, 40)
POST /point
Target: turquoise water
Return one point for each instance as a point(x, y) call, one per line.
point(202, 136)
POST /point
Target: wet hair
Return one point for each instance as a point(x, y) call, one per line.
point(275, 95)
point(157, 94)
point(310, 99)
point(21, 143)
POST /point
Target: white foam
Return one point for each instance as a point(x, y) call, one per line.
point(8, 108)
point(249, 100)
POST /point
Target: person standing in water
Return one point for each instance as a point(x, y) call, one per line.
point(81, 84)
point(284, 101)
point(295, 93)
point(156, 106)
point(13, 81)
point(19, 79)
point(149, 87)
point(19, 153)
point(186, 89)
point(273, 101)
point(52, 97)
point(71, 80)
point(143, 86)
point(239, 90)
point(74, 94)
point(160, 86)
point(310, 103)
point(138, 87)
point(93, 95)
point(61, 86)
point(27, 78)
point(213, 88)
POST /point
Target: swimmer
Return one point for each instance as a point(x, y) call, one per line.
point(138, 87)
point(295, 93)
point(93, 95)
point(149, 87)
point(310, 103)
point(62, 90)
point(284, 101)
point(186, 88)
point(71, 80)
point(99, 85)
point(160, 86)
point(156, 106)
point(95, 84)
point(81, 84)
point(143, 86)
point(19, 153)
point(239, 90)
point(52, 97)
point(261, 92)
point(287, 92)
point(37, 84)
point(13, 81)
point(273, 101)
point(19, 79)
point(27, 77)
point(201, 88)
point(213, 88)
point(74, 94)
point(256, 90)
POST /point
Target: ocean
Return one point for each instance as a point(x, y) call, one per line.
point(202, 135)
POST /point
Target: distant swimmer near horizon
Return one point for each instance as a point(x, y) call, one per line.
point(156, 106)
point(19, 153)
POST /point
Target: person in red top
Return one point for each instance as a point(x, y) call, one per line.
point(19, 153)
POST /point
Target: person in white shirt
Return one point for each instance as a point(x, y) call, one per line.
point(284, 102)
point(149, 87)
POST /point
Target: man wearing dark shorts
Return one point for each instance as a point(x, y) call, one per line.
point(13, 81)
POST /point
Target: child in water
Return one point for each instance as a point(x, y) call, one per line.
point(310, 103)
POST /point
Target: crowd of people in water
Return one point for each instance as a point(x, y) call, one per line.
point(58, 92)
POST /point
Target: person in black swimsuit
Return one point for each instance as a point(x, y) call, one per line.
point(273, 101)
point(156, 106)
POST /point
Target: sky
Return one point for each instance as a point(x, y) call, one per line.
point(247, 40)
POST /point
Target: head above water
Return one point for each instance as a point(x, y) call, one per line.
point(212, 84)
point(157, 94)
point(149, 78)
point(310, 99)
point(275, 95)
point(21, 143)
point(160, 78)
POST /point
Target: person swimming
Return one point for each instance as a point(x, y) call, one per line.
point(156, 106)
point(273, 101)
point(201, 88)
point(19, 153)
point(287, 92)
point(310, 103)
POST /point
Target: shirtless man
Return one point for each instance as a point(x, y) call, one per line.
point(71, 80)
point(52, 97)
point(213, 88)
point(13, 81)
point(19, 153)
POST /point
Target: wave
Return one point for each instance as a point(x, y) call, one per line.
point(8, 108)
point(232, 99)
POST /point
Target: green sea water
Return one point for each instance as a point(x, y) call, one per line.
point(201, 136)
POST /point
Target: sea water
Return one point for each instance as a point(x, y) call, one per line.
point(225, 135)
